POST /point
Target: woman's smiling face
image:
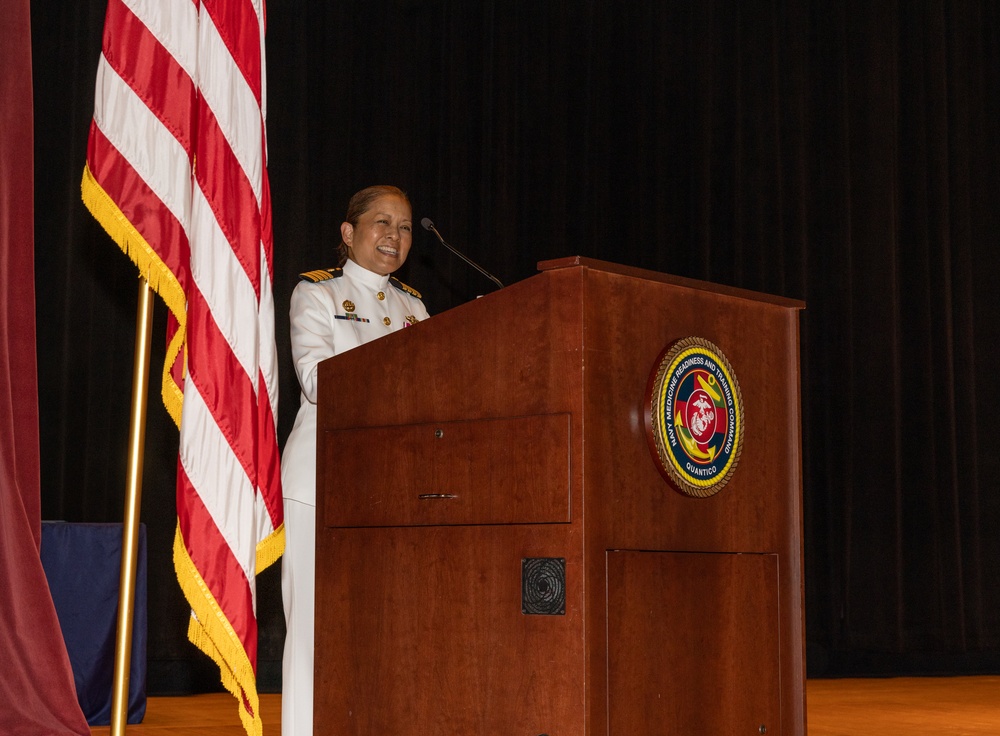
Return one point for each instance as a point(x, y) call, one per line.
point(381, 240)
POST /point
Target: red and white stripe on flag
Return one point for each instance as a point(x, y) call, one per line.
point(176, 173)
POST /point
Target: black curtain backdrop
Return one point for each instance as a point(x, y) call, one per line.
point(841, 153)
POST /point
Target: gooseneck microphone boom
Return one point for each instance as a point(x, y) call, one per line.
point(428, 225)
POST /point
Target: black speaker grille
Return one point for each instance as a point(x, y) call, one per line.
point(543, 586)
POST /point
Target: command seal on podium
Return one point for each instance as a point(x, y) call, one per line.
point(694, 417)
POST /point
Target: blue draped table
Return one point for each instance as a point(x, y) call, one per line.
point(83, 565)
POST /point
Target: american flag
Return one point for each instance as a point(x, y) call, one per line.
point(176, 173)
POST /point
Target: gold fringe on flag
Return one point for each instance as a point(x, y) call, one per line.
point(211, 632)
point(270, 548)
point(157, 274)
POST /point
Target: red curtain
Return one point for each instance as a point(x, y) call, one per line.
point(37, 688)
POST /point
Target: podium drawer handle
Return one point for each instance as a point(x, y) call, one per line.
point(425, 496)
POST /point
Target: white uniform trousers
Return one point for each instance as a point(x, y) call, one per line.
point(298, 571)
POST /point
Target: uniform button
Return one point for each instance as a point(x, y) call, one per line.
point(381, 296)
point(386, 321)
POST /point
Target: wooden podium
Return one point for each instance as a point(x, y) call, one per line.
point(455, 455)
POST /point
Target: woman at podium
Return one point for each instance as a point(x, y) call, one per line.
point(333, 310)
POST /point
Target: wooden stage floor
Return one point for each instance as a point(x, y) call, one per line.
point(898, 706)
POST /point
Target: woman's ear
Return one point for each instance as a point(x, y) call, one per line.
point(347, 233)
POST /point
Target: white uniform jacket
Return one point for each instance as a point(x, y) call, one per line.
point(343, 309)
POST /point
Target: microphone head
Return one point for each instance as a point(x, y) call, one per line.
point(426, 222)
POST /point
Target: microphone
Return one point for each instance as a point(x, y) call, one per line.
point(428, 225)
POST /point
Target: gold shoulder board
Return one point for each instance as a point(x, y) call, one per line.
point(403, 287)
point(320, 274)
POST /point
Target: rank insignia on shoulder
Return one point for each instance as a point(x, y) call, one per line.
point(320, 274)
point(403, 287)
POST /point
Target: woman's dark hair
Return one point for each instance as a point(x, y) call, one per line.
point(360, 203)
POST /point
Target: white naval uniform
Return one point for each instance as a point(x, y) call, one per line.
point(328, 317)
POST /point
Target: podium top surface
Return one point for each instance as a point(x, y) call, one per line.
point(642, 273)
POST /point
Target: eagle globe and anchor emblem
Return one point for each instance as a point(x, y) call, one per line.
point(694, 417)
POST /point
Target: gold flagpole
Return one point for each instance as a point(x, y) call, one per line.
point(130, 531)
